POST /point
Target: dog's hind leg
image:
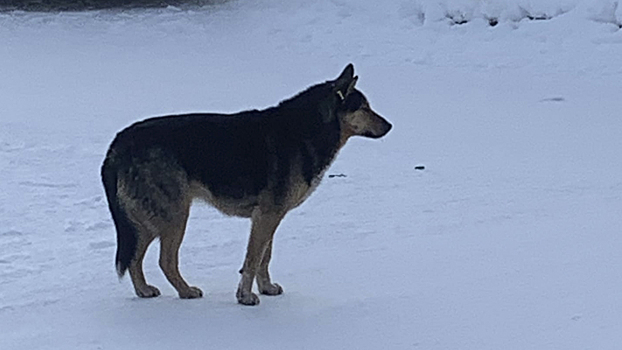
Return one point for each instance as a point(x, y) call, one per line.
point(264, 225)
point(263, 276)
point(170, 242)
point(141, 287)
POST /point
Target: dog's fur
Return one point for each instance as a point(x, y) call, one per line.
point(254, 164)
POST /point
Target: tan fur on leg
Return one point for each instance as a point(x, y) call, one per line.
point(141, 287)
point(264, 282)
point(263, 227)
point(170, 242)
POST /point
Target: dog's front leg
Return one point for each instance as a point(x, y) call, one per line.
point(264, 224)
point(264, 283)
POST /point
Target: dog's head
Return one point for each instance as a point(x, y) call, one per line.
point(353, 111)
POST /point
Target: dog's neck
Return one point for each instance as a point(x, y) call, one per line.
point(345, 133)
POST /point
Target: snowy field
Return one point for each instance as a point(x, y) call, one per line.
point(509, 239)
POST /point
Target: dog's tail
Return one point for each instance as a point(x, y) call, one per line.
point(126, 231)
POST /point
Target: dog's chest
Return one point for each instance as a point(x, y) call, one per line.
point(301, 190)
point(315, 163)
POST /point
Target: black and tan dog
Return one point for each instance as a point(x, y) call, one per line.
point(254, 164)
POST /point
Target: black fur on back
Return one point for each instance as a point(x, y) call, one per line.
point(238, 155)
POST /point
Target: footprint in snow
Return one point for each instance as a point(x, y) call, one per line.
point(46, 184)
point(102, 225)
point(8, 147)
point(73, 226)
point(101, 245)
point(11, 233)
point(14, 258)
point(93, 202)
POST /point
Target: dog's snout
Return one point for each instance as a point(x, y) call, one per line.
point(385, 128)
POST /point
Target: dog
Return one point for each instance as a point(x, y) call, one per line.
point(253, 164)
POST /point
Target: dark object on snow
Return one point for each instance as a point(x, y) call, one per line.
point(457, 18)
point(553, 99)
point(493, 21)
point(336, 175)
point(539, 17)
point(420, 167)
point(536, 16)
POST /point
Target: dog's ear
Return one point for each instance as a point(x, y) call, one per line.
point(348, 73)
point(340, 88)
point(345, 82)
point(351, 86)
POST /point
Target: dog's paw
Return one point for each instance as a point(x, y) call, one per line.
point(147, 291)
point(191, 293)
point(271, 289)
point(249, 299)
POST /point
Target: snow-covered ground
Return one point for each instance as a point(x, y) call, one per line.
point(509, 239)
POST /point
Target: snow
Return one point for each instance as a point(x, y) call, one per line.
point(509, 239)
